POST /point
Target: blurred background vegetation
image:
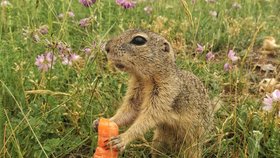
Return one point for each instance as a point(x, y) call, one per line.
point(49, 113)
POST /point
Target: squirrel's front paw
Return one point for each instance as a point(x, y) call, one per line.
point(116, 143)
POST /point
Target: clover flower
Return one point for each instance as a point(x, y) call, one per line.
point(276, 95)
point(69, 59)
point(45, 61)
point(87, 51)
point(70, 14)
point(267, 102)
point(74, 57)
point(44, 29)
point(199, 48)
point(210, 56)
point(270, 99)
point(126, 4)
point(85, 22)
point(63, 48)
point(232, 56)
point(227, 67)
point(87, 3)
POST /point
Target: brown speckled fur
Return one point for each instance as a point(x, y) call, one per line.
point(159, 96)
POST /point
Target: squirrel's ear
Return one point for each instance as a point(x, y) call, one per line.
point(166, 47)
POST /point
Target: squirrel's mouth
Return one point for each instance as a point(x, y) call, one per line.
point(117, 63)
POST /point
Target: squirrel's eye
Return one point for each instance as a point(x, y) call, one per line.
point(138, 40)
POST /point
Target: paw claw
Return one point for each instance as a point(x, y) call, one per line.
point(95, 124)
point(115, 143)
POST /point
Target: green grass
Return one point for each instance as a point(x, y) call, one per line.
point(57, 123)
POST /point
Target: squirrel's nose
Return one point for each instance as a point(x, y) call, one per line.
point(107, 46)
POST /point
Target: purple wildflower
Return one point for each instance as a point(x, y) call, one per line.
point(87, 51)
point(269, 99)
point(126, 4)
point(65, 60)
point(74, 57)
point(199, 48)
point(210, 56)
point(45, 61)
point(85, 22)
point(50, 57)
point(44, 29)
point(70, 14)
point(60, 46)
point(69, 59)
point(276, 95)
point(87, 3)
point(227, 67)
point(231, 56)
point(267, 103)
point(63, 48)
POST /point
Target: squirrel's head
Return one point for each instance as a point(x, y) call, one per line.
point(141, 52)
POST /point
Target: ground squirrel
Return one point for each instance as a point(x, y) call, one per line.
point(159, 96)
